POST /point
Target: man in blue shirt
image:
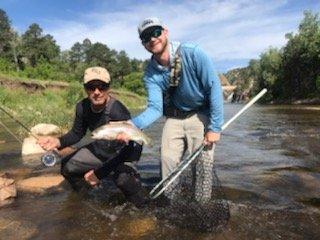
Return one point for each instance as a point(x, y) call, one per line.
point(182, 85)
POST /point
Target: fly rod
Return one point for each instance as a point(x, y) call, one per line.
point(20, 123)
point(161, 186)
point(9, 131)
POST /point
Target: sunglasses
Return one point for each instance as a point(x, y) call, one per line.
point(154, 34)
point(93, 87)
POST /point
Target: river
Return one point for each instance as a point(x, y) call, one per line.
point(268, 163)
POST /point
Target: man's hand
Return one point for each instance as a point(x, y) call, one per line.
point(91, 178)
point(123, 137)
point(49, 143)
point(210, 138)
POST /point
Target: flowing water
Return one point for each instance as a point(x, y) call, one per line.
point(268, 163)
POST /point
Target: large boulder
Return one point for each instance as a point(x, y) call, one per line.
point(30, 146)
point(45, 129)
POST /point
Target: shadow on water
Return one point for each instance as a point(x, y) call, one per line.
point(267, 163)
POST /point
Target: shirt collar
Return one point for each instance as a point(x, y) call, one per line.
point(173, 46)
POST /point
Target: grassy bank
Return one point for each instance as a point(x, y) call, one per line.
point(36, 102)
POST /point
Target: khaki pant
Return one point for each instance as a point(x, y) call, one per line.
point(182, 137)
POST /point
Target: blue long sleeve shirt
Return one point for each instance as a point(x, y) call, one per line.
point(199, 87)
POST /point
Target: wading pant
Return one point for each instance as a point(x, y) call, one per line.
point(184, 136)
point(125, 177)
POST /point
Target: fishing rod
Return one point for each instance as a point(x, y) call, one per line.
point(9, 131)
point(161, 186)
point(20, 123)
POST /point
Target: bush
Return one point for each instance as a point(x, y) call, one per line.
point(133, 82)
point(74, 94)
point(318, 83)
point(6, 66)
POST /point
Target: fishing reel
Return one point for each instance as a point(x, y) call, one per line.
point(50, 159)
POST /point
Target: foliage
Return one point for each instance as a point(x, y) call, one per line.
point(318, 84)
point(36, 55)
point(292, 72)
point(5, 34)
point(74, 94)
point(35, 46)
point(33, 108)
point(269, 72)
point(6, 66)
point(43, 70)
point(301, 58)
point(134, 83)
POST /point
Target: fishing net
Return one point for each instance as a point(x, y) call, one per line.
point(196, 199)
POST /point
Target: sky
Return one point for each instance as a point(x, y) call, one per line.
point(232, 31)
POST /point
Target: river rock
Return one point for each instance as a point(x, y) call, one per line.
point(7, 190)
point(12, 229)
point(45, 129)
point(42, 183)
point(30, 146)
point(141, 227)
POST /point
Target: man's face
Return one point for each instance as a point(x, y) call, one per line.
point(158, 40)
point(97, 92)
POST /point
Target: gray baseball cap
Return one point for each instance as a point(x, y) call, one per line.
point(149, 22)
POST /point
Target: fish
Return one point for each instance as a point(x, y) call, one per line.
point(111, 130)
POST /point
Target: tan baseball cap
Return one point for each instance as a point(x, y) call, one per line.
point(96, 73)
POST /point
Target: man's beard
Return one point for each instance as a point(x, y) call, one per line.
point(162, 50)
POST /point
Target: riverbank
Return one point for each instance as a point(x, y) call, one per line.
point(36, 101)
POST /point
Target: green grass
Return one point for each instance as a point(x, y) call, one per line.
point(129, 99)
point(18, 79)
point(47, 106)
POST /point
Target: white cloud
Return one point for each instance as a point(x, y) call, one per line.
point(234, 29)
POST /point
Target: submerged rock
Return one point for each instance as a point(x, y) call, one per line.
point(7, 190)
point(141, 227)
point(41, 184)
point(16, 229)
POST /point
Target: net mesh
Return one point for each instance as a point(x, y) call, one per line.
point(196, 198)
